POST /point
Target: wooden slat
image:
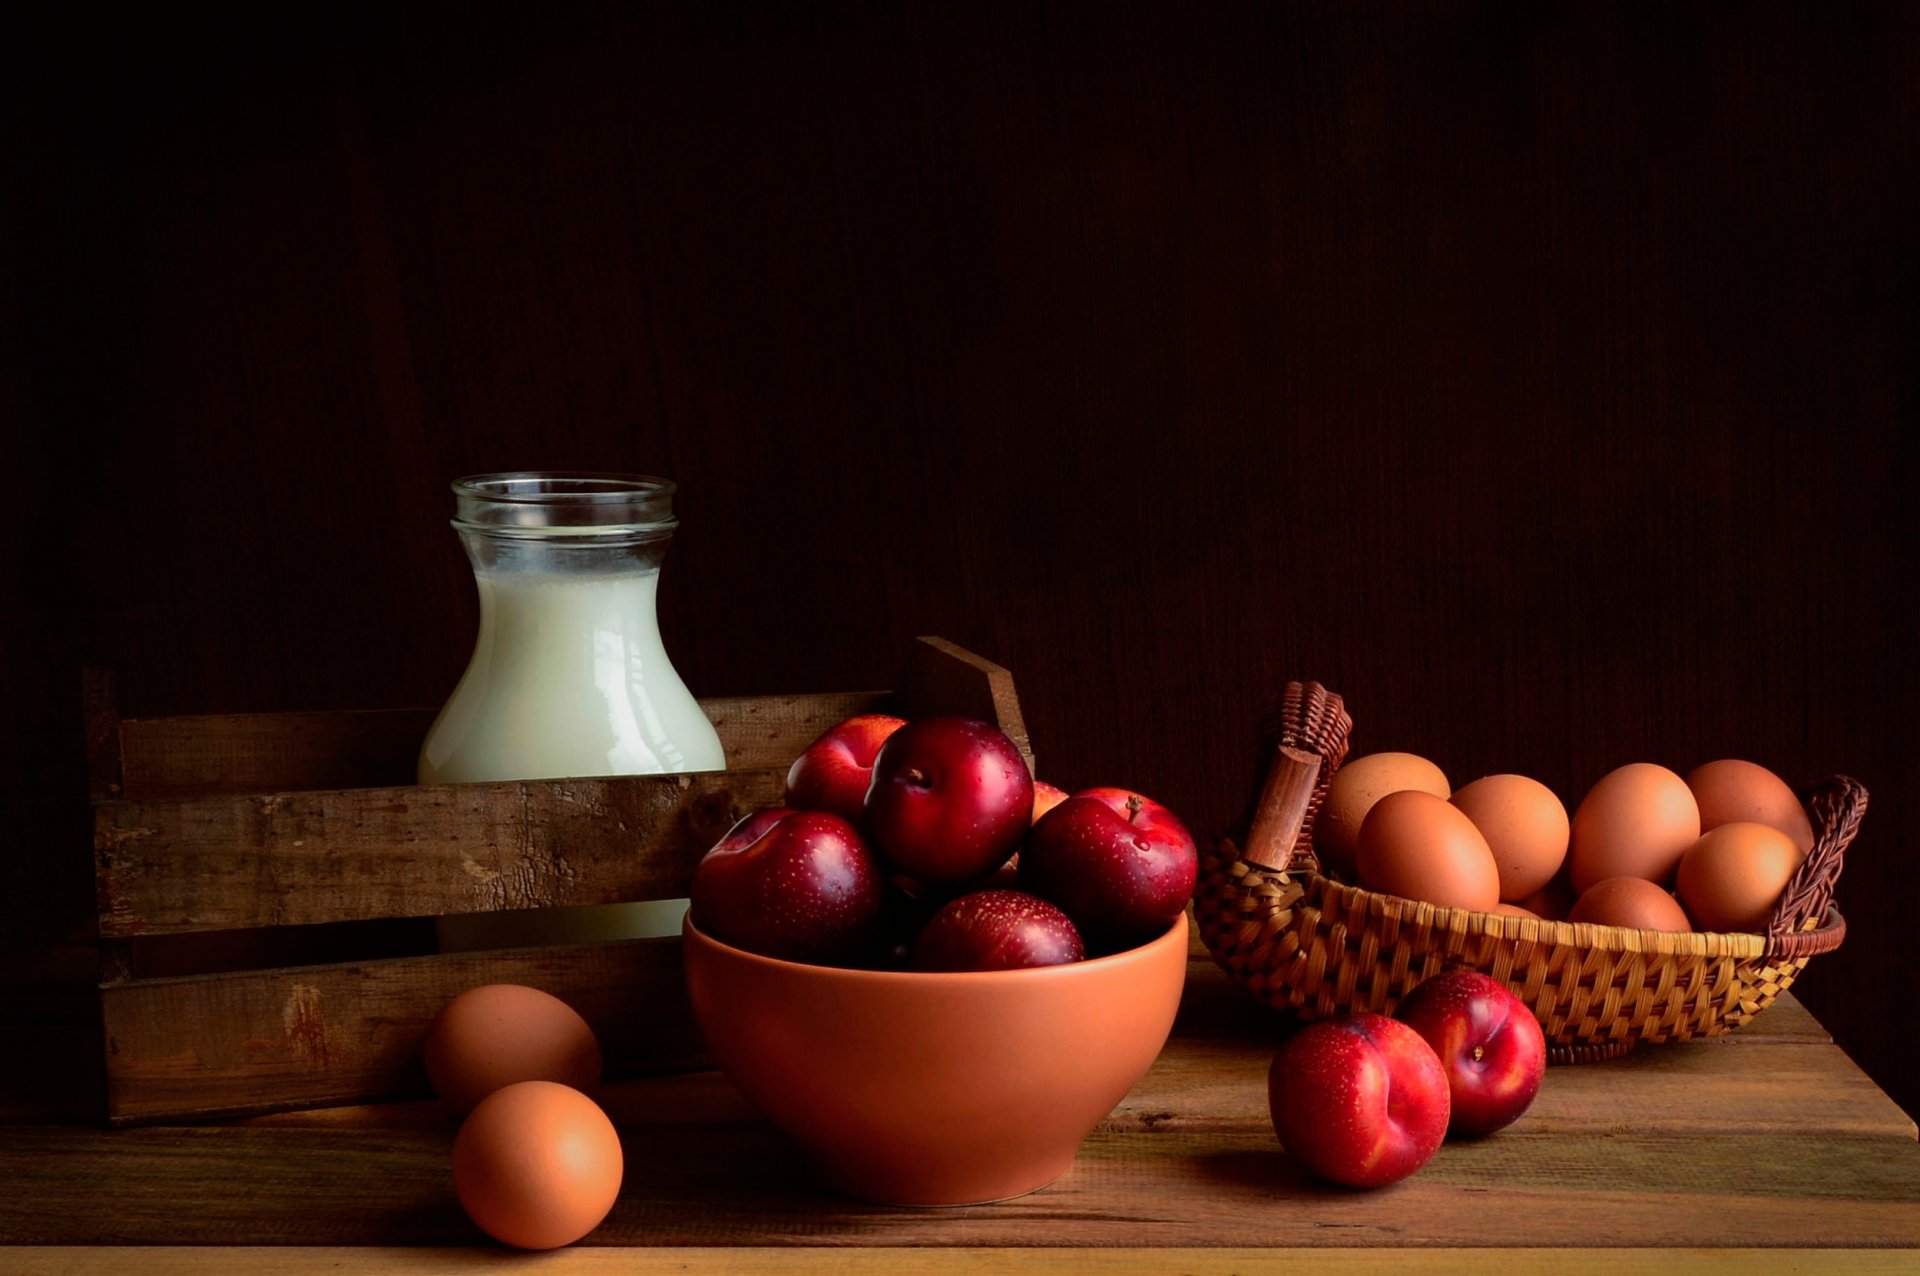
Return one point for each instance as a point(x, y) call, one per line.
point(214, 1045)
point(770, 731)
point(202, 754)
point(290, 859)
point(199, 754)
point(947, 679)
point(985, 1261)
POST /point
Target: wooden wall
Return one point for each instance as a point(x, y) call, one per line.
point(1539, 376)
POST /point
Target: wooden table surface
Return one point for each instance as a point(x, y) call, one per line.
point(1768, 1138)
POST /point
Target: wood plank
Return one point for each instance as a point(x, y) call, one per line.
point(199, 755)
point(945, 678)
point(1683, 1145)
point(289, 859)
point(217, 1045)
point(706, 1183)
point(1685, 1089)
point(771, 731)
point(984, 1261)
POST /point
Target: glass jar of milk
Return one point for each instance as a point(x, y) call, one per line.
point(568, 676)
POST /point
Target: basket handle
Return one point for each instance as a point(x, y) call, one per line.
point(1798, 944)
point(1303, 741)
point(1282, 809)
point(1836, 806)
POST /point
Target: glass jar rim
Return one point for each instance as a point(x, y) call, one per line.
point(566, 504)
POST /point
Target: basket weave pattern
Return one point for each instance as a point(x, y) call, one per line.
point(1303, 943)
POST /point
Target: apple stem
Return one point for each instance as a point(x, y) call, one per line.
point(1134, 803)
point(1479, 1052)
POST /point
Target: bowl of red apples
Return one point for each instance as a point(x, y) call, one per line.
point(934, 974)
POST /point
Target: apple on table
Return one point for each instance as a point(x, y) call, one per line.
point(1489, 1042)
point(1360, 1099)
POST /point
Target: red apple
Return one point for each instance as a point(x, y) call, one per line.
point(1488, 1041)
point(950, 799)
point(1360, 1100)
point(833, 772)
point(1045, 798)
point(798, 885)
point(997, 930)
point(1120, 865)
point(1007, 876)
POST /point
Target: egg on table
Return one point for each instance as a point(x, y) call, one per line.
point(496, 1034)
point(537, 1165)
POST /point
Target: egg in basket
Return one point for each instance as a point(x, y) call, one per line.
point(1601, 975)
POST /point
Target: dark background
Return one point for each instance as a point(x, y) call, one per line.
point(1539, 376)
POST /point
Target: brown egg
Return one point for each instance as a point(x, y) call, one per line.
point(1524, 824)
point(1355, 787)
point(1633, 902)
point(1419, 846)
point(1731, 791)
point(1553, 900)
point(1514, 910)
point(1636, 821)
point(1734, 875)
point(497, 1034)
point(537, 1165)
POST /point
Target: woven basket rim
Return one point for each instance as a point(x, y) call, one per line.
point(1742, 945)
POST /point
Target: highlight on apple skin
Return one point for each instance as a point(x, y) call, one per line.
point(949, 801)
point(1489, 1042)
point(997, 930)
point(798, 885)
point(1359, 1100)
point(832, 773)
point(1121, 865)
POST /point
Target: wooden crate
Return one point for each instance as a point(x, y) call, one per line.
point(267, 884)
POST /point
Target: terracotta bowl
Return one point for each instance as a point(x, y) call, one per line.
point(936, 1089)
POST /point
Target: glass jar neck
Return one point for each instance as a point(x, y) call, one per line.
point(550, 521)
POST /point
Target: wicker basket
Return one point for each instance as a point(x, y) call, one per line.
point(1307, 944)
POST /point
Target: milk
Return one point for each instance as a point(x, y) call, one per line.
point(568, 678)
